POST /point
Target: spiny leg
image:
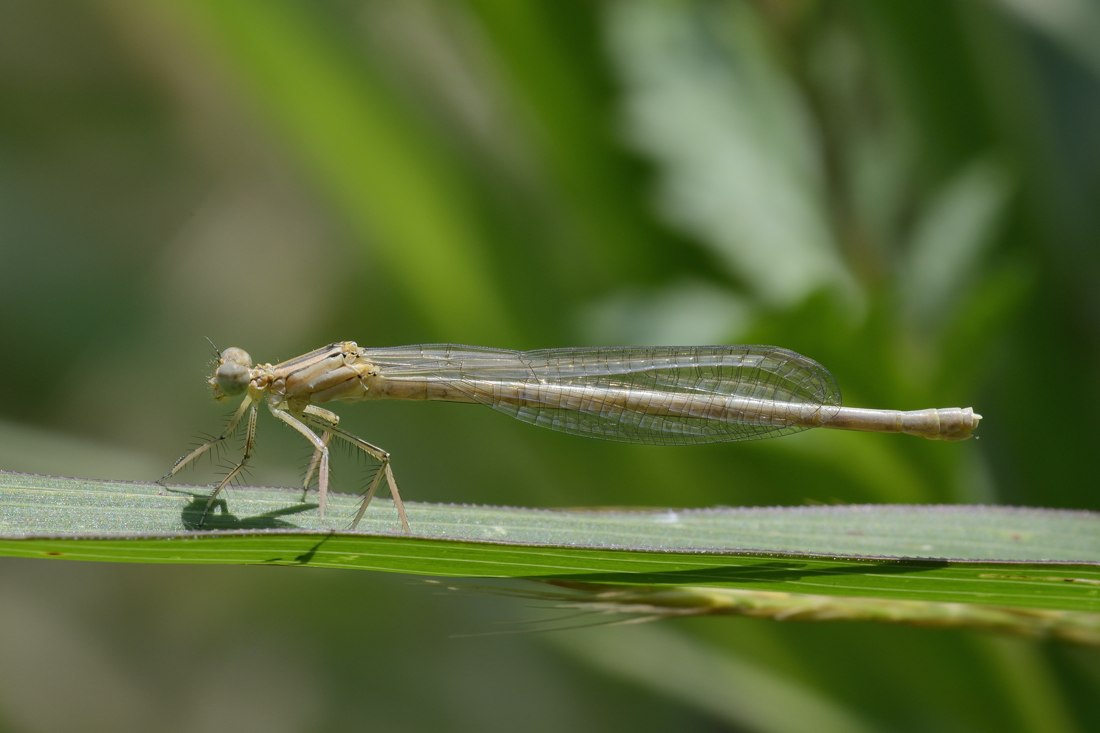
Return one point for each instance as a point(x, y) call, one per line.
point(326, 416)
point(384, 471)
point(249, 444)
point(319, 446)
point(314, 462)
point(230, 429)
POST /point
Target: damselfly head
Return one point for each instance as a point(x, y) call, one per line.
point(232, 374)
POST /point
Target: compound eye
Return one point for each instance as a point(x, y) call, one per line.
point(232, 374)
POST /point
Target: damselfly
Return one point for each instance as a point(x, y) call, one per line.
point(667, 395)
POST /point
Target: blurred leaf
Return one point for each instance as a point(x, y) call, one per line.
point(395, 184)
point(560, 100)
point(950, 242)
point(680, 313)
point(1072, 24)
point(739, 169)
point(743, 693)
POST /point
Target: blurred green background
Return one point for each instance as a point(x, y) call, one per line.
point(906, 191)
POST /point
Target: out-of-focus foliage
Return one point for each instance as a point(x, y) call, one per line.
point(904, 191)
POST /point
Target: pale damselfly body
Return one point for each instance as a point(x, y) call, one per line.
point(666, 395)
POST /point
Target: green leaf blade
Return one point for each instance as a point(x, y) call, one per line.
point(1022, 558)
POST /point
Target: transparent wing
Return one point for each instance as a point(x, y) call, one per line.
point(616, 392)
